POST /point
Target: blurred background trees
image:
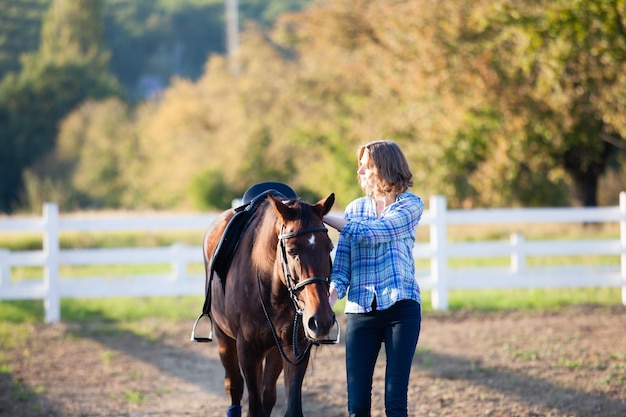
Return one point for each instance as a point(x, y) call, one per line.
point(556, 75)
point(69, 67)
point(132, 104)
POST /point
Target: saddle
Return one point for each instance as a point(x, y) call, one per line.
point(227, 246)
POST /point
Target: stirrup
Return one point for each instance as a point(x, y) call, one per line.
point(195, 338)
point(330, 340)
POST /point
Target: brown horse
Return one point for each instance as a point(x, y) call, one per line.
point(272, 305)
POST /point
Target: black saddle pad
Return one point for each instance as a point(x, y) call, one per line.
point(226, 248)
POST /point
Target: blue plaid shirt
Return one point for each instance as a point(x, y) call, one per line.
point(374, 256)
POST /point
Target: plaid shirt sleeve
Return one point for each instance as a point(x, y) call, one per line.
point(374, 255)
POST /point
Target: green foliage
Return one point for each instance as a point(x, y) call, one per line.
point(95, 148)
point(49, 86)
point(165, 37)
point(39, 190)
point(266, 12)
point(468, 150)
point(20, 26)
point(161, 39)
point(317, 155)
point(209, 191)
point(31, 105)
point(73, 28)
point(173, 38)
point(495, 104)
point(556, 72)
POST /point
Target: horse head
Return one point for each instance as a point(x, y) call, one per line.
point(304, 249)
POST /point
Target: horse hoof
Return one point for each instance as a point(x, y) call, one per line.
point(234, 411)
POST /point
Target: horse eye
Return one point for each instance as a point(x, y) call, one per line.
point(293, 253)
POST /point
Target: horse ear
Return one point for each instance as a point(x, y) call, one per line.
point(281, 209)
point(324, 206)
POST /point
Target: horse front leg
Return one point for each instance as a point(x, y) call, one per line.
point(233, 381)
point(294, 376)
point(251, 361)
point(271, 372)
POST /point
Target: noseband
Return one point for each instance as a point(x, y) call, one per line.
point(292, 286)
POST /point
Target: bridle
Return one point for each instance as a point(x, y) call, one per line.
point(293, 288)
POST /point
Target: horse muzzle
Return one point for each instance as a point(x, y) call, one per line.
point(322, 335)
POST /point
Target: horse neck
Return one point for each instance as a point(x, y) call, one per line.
point(264, 240)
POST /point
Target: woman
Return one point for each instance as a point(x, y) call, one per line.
point(374, 266)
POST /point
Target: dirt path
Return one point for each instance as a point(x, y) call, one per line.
point(516, 364)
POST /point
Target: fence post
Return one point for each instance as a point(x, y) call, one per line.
point(439, 257)
point(518, 257)
point(179, 266)
point(622, 234)
point(52, 302)
point(5, 269)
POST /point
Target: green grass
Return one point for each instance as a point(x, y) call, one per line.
point(12, 336)
point(82, 240)
point(135, 397)
point(531, 261)
point(520, 299)
point(22, 311)
point(527, 299)
point(116, 309)
point(80, 271)
point(120, 309)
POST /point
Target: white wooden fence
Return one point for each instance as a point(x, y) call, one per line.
point(439, 277)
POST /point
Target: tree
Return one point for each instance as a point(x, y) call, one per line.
point(495, 103)
point(73, 28)
point(95, 151)
point(52, 82)
point(556, 72)
point(20, 26)
point(367, 70)
point(161, 39)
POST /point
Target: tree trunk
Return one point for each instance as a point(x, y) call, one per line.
point(585, 170)
point(586, 188)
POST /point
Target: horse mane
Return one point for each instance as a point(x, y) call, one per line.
point(265, 229)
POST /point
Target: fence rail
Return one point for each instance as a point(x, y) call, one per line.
point(438, 277)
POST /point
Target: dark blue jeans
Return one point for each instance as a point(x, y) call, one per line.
point(398, 328)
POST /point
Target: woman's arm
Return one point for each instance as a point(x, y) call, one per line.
point(333, 296)
point(398, 222)
point(335, 222)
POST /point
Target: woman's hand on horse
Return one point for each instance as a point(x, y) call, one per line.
point(333, 297)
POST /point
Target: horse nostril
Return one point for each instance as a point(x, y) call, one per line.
point(313, 326)
point(320, 329)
